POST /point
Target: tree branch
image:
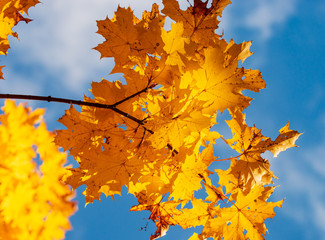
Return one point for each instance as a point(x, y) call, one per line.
point(77, 102)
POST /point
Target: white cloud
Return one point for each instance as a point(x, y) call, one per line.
point(258, 15)
point(19, 86)
point(316, 100)
point(318, 160)
point(266, 14)
point(302, 180)
point(319, 213)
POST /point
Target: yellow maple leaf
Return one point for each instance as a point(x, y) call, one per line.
point(189, 178)
point(174, 44)
point(176, 122)
point(34, 203)
point(200, 21)
point(219, 84)
point(247, 213)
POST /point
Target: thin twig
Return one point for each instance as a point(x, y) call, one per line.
point(77, 102)
point(136, 94)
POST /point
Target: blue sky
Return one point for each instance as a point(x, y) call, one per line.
point(54, 57)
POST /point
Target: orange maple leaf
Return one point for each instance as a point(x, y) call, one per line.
point(129, 38)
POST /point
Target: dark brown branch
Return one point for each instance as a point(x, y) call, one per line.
point(78, 102)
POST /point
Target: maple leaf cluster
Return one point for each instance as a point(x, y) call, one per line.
point(155, 137)
point(34, 202)
point(11, 13)
point(150, 131)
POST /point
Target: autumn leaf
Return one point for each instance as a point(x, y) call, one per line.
point(174, 44)
point(243, 174)
point(120, 33)
point(190, 177)
point(248, 214)
point(285, 140)
point(250, 141)
point(200, 21)
point(220, 85)
point(129, 39)
point(34, 203)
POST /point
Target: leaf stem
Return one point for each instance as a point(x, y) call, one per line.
point(136, 94)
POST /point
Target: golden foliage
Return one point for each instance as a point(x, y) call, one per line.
point(34, 203)
point(155, 136)
point(11, 13)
